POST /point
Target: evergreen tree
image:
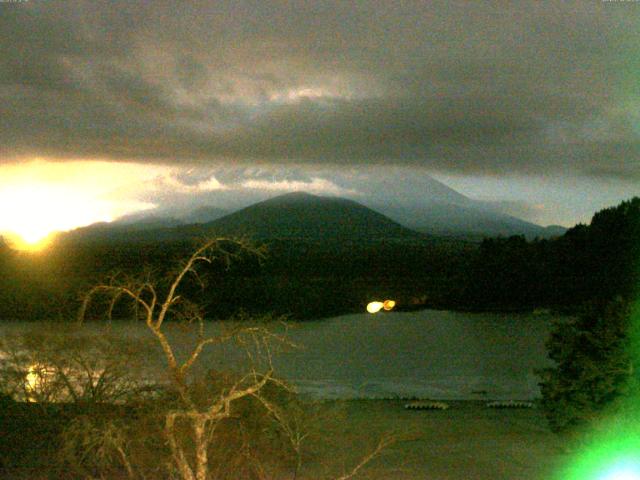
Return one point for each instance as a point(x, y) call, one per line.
point(593, 365)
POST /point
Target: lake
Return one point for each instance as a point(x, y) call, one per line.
point(427, 354)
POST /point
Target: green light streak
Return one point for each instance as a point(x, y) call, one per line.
point(611, 457)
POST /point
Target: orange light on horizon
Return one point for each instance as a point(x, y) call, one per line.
point(37, 210)
point(17, 242)
point(41, 198)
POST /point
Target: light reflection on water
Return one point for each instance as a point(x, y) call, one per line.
point(435, 354)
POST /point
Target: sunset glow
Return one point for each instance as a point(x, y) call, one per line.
point(39, 209)
point(42, 198)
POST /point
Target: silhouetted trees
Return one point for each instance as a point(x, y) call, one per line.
point(589, 263)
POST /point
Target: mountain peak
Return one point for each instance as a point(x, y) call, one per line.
point(303, 215)
point(293, 196)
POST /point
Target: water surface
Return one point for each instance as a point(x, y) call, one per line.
point(428, 354)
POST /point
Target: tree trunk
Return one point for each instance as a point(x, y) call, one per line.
point(202, 462)
point(178, 455)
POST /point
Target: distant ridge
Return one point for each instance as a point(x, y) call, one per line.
point(145, 226)
point(203, 214)
point(469, 221)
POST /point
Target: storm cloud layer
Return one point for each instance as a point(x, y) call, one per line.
point(459, 87)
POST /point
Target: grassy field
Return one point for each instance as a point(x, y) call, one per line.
point(466, 442)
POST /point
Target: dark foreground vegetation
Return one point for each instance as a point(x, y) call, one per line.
point(466, 441)
point(128, 436)
point(306, 278)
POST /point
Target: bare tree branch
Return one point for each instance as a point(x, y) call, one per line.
point(384, 443)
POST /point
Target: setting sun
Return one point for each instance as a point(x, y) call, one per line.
point(41, 198)
point(38, 210)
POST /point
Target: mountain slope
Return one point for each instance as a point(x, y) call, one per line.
point(203, 215)
point(302, 215)
point(468, 220)
point(420, 202)
point(147, 227)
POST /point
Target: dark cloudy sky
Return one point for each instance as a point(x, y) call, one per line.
point(532, 105)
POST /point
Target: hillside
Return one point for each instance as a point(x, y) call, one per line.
point(147, 227)
point(466, 221)
point(589, 263)
point(304, 216)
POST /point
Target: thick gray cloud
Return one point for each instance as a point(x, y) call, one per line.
point(482, 87)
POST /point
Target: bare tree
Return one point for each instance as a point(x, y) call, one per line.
point(198, 417)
